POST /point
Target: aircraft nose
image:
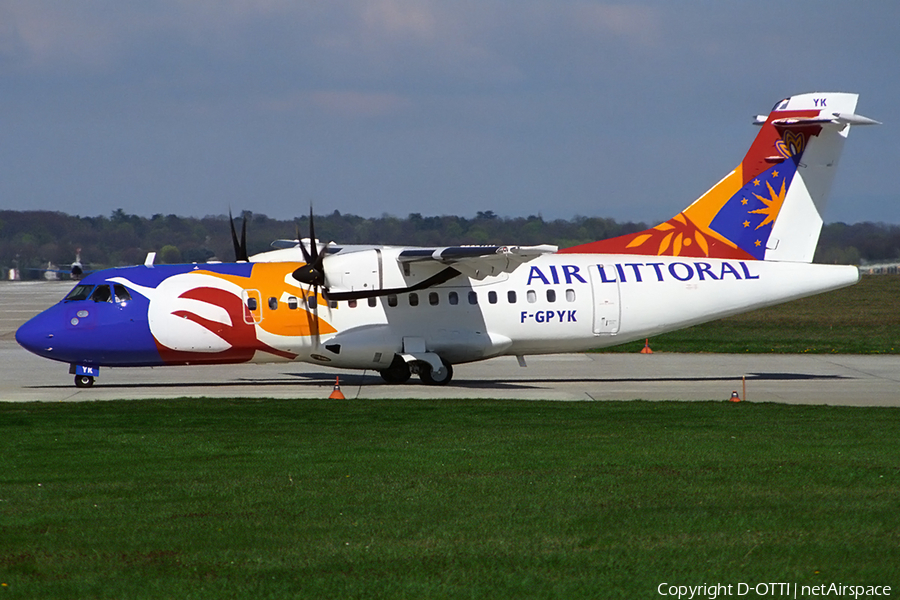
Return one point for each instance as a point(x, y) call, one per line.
point(36, 336)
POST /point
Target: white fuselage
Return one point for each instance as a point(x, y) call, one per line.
point(561, 303)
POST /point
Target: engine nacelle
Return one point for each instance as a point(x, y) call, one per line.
point(374, 269)
point(365, 347)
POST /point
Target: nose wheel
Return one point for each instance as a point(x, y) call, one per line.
point(84, 381)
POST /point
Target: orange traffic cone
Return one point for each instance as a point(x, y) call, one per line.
point(734, 397)
point(337, 394)
point(646, 349)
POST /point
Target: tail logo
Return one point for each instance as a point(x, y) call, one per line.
point(675, 236)
point(747, 218)
point(791, 144)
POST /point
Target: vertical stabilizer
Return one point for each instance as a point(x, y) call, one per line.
point(770, 207)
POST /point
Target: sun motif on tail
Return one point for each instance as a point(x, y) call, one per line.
point(772, 203)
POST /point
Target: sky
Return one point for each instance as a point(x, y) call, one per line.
point(558, 108)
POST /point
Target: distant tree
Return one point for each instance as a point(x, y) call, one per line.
point(169, 255)
point(33, 238)
point(198, 255)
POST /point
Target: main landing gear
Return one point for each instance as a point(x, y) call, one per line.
point(400, 371)
point(432, 376)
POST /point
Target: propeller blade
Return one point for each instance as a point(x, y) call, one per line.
point(306, 257)
point(313, 272)
point(314, 245)
point(310, 318)
point(244, 255)
point(312, 312)
point(240, 247)
point(315, 333)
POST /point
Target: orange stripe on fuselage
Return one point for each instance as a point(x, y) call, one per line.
point(272, 281)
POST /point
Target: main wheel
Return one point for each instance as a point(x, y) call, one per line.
point(84, 381)
point(441, 376)
point(398, 372)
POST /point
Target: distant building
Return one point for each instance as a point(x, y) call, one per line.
point(880, 269)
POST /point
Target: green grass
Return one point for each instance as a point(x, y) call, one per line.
point(861, 319)
point(441, 499)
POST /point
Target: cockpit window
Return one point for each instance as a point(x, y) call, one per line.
point(101, 294)
point(122, 294)
point(79, 292)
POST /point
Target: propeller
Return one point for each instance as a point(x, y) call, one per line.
point(312, 274)
point(240, 248)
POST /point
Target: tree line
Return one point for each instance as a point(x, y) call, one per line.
point(29, 240)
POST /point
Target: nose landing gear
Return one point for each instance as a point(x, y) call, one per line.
point(84, 381)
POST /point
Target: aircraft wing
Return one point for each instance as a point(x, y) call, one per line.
point(477, 262)
point(361, 271)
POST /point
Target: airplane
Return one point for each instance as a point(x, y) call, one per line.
point(75, 271)
point(747, 243)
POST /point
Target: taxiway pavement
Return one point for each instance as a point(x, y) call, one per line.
point(851, 380)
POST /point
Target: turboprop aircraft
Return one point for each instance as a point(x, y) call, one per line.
point(746, 243)
point(75, 271)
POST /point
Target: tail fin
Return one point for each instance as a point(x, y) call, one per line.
point(770, 206)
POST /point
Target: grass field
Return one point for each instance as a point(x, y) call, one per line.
point(861, 319)
point(441, 499)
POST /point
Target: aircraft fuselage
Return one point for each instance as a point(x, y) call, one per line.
point(255, 312)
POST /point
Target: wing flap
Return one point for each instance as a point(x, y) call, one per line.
point(477, 262)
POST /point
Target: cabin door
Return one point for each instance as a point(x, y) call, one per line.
point(607, 308)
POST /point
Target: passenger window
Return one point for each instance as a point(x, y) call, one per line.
point(252, 304)
point(79, 292)
point(121, 293)
point(570, 295)
point(551, 295)
point(531, 295)
point(373, 302)
point(332, 304)
point(351, 303)
point(433, 298)
point(511, 296)
point(292, 302)
point(101, 294)
point(392, 300)
point(273, 303)
point(453, 298)
point(473, 297)
point(492, 297)
point(413, 299)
